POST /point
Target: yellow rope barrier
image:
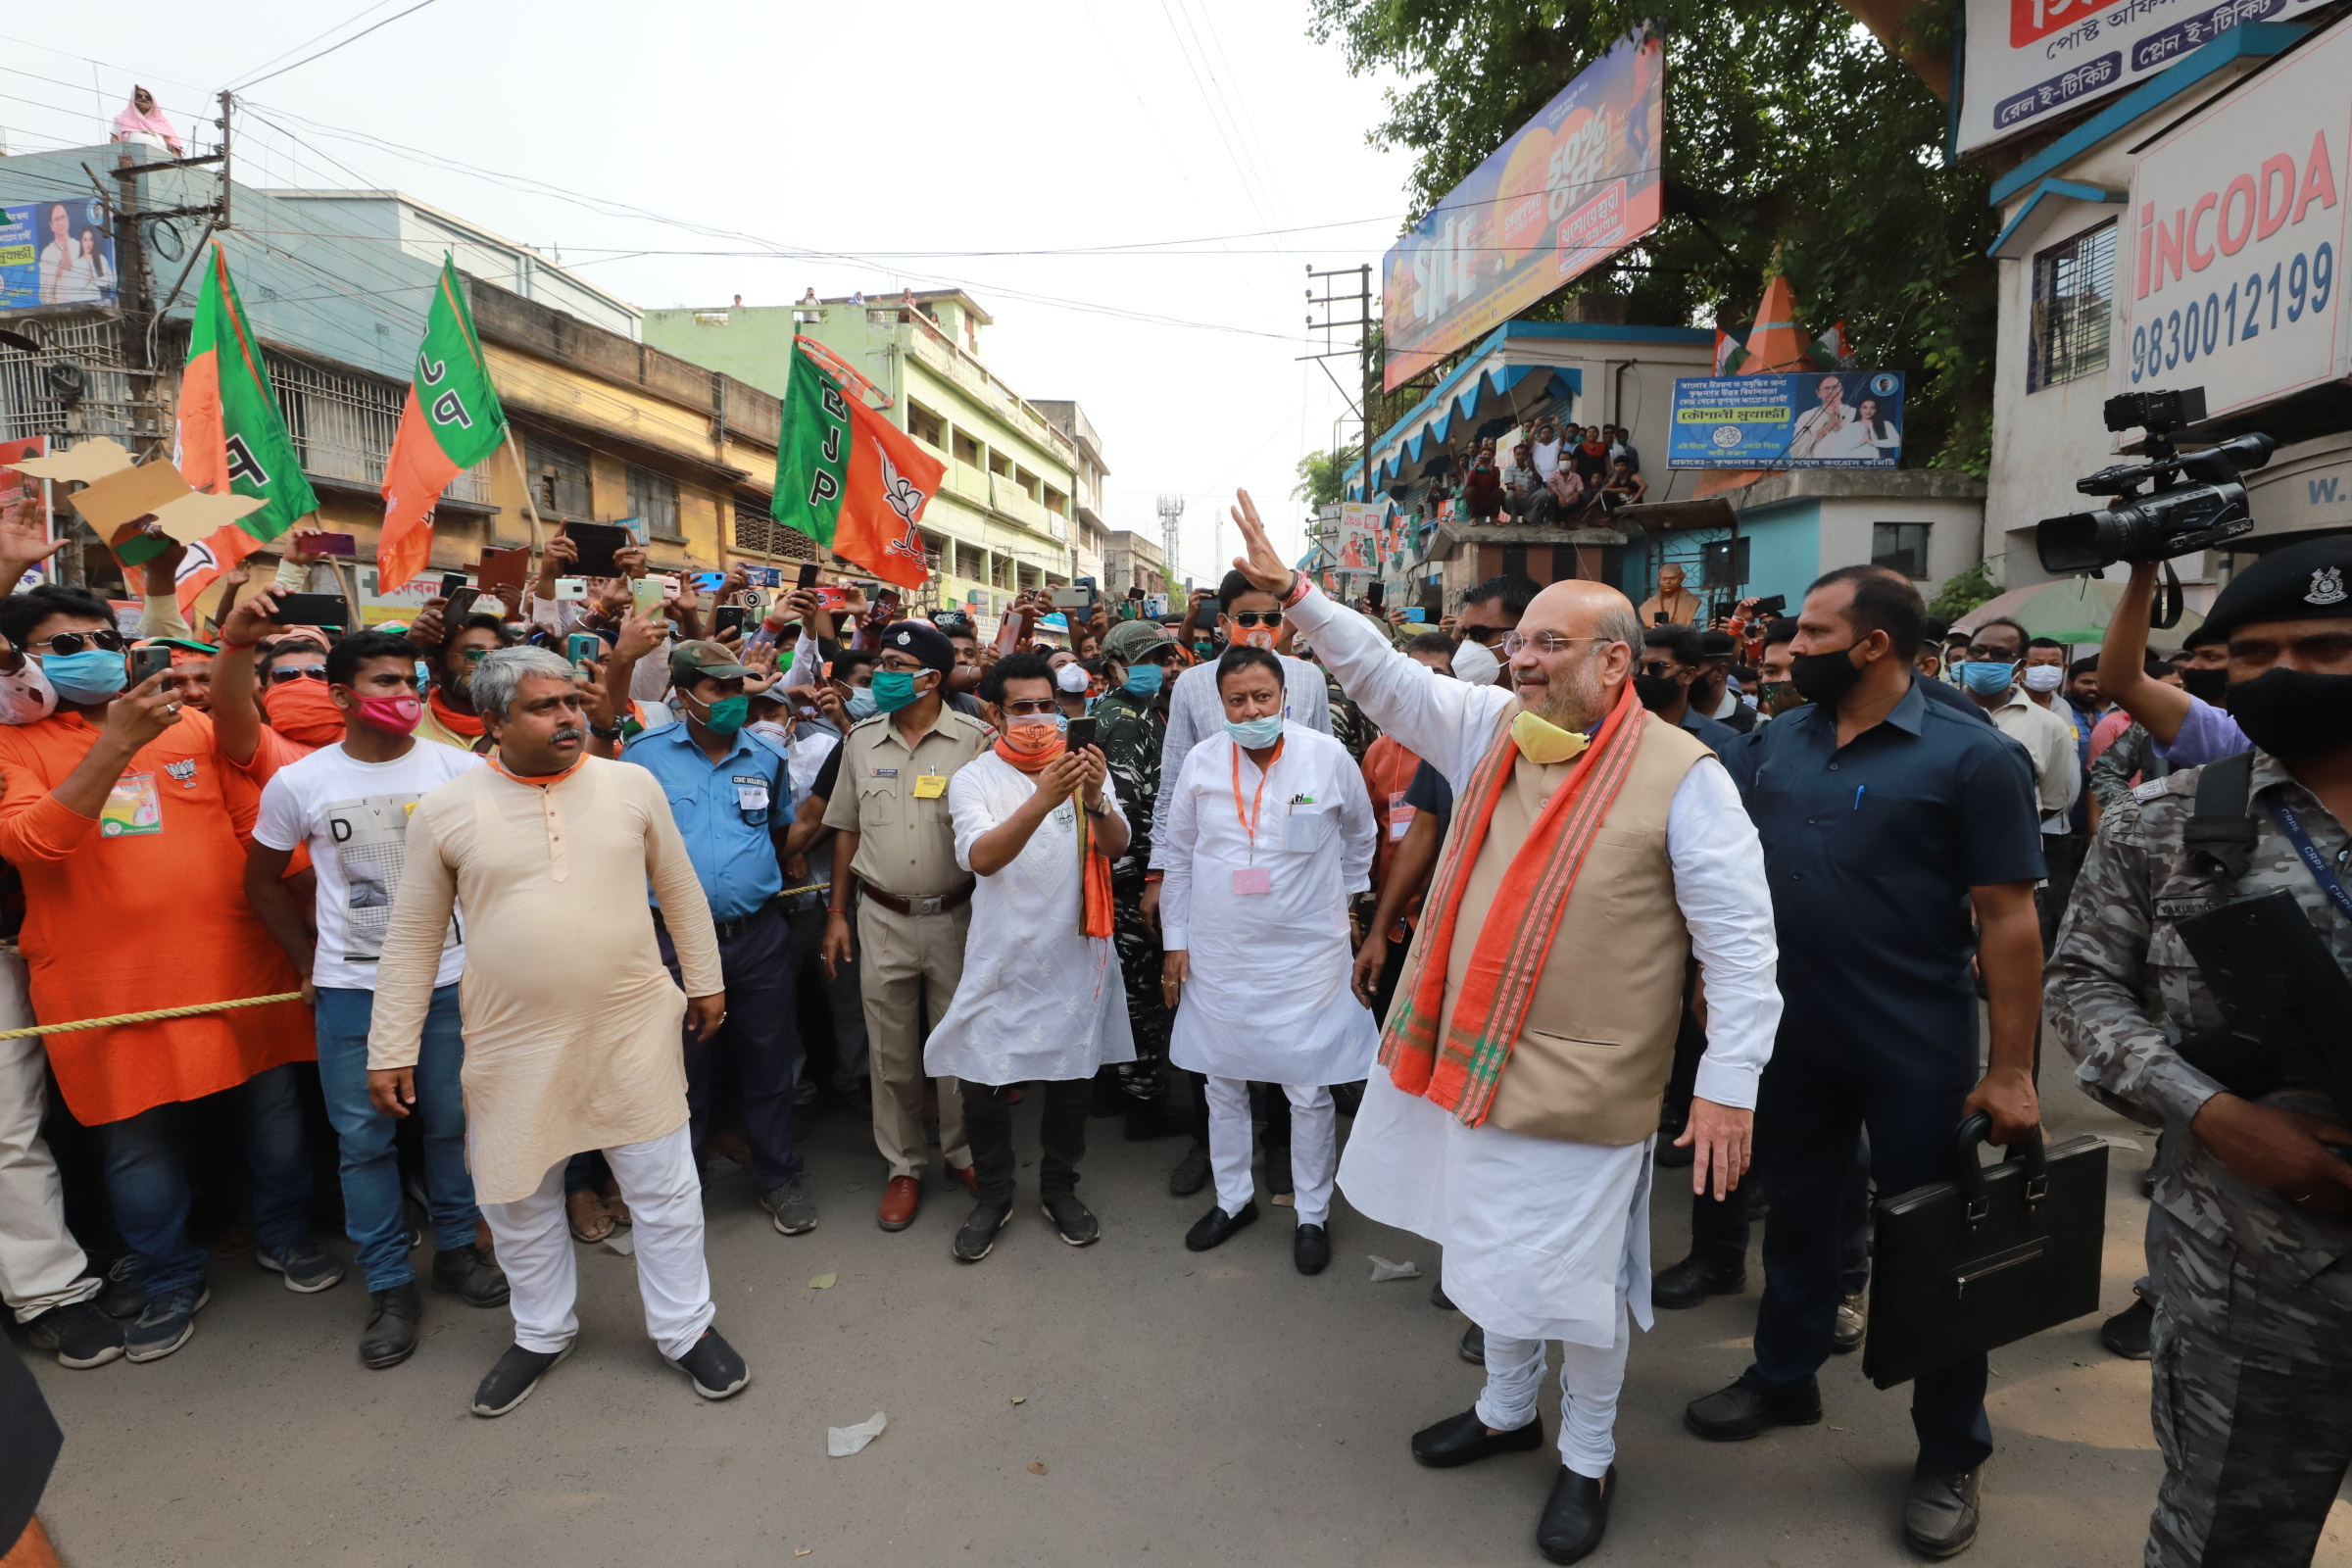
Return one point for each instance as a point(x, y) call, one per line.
point(147, 1018)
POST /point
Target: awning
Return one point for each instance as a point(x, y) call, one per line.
point(1490, 386)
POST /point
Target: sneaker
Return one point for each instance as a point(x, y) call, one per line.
point(465, 1273)
point(1071, 1219)
point(718, 1373)
point(791, 1207)
point(1191, 1173)
point(304, 1265)
point(511, 1381)
point(2131, 1333)
point(165, 1322)
point(122, 1297)
point(979, 1234)
point(82, 1336)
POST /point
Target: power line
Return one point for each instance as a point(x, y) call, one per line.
point(315, 37)
point(332, 47)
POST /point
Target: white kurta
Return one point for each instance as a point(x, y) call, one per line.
point(1268, 999)
point(1038, 1000)
point(1541, 1235)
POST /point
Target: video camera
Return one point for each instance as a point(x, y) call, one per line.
point(2197, 500)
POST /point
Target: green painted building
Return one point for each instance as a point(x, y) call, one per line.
point(1002, 519)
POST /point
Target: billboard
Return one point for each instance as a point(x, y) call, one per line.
point(1809, 419)
point(2229, 270)
point(56, 252)
point(2027, 61)
point(1573, 187)
point(1356, 544)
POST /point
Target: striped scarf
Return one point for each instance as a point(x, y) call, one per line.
point(1461, 1071)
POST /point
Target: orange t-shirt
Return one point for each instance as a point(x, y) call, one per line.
point(1388, 770)
point(144, 906)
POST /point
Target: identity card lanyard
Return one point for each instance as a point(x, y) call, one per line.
point(2313, 861)
point(1258, 806)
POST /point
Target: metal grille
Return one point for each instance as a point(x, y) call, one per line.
point(343, 424)
point(755, 530)
point(2073, 302)
point(30, 383)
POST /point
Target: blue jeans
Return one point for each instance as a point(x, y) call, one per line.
point(374, 1215)
point(147, 1178)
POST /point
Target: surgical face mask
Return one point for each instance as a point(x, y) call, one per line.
point(728, 715)
point(1143, 680)
point(860, 703)
point(893, 689)
point(1070, 679)
point(2294, 714)
point(1825, 677)
point(780, 733)
point(2207, 685)
point(1255, 734)
point(1474, 662)
point(93, 675)
point(2043, 678)
point(1988, 677)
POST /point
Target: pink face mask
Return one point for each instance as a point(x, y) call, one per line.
point(397, 714)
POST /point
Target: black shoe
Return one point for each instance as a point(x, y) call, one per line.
point(1940, 1516)
point(1191, 1173)
point(82, 1336)
point(464, 1272)
point(1148, 1119)
point(1438, 1296)
point(1573, 1522)
point(1212, 1228)
point(1464, 1440)
point(979, 1234)
point(1072, 1221)
point(122, 1297)
point(1473, 1348)
point(1310, 1249)
point(1745, 1409)
point(390, 1337)
point(2128, 1334)
point(718, 1373)
point(1692, 1281)
point(511, 1381)
point(1852, 1326)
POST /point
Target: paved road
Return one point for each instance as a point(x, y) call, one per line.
point(1188, 1409)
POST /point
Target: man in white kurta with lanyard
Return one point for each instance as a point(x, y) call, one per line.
point(1269, 831)
point(1594, 847)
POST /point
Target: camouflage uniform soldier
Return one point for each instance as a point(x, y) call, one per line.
point(2250, 1242)
point(1131, 723)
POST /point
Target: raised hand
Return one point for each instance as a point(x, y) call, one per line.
point(1260, 562)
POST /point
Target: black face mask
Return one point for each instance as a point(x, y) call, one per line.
point(2206, 685)
point(1658, 692)
point(2292, 713)
point(1825, 678)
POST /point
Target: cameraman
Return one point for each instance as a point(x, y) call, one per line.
point(2252, 1224)
point(2188, 727)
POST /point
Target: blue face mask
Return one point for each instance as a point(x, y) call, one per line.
point(862, 705)
point(1255, 734)
point(1143, 680)
point(1988, 677)
point(93, 675)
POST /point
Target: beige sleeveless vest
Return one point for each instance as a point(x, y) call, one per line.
point(1592, 1063)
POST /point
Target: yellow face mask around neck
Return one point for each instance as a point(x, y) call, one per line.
point(1545, 743)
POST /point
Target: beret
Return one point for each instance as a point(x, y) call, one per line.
point(2301, 582)
point(919, 639)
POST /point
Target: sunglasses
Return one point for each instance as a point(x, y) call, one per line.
point(66, 644)
point(1259, 618)
point(280, 677)
point(1028, 708)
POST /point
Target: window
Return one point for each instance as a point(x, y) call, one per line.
point(2073, 298)
point(924, 425)
point(755, 530)
point(967, 450)
point(653, 502)
point(1900, 547)
point(968, 562)
point(559, 471)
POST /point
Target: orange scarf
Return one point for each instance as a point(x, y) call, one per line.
point(457, 723)
point(1095, 913)
point(1461, 1071)
point(536, 781)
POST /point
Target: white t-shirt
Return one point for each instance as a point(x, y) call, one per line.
point(354, 817)
point(1547, 456)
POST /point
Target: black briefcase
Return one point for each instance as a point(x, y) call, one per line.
point(1969, 1265)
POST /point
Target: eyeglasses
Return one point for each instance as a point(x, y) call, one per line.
point(280, 677)
point(910, 666)
point(1029, 707)
point(1481, 635)
point(1257, 617)
point(1546, 643)
point(66, 644)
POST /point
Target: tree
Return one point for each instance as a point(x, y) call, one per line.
point(1795, 143)
point(1964, 591)
point(1323, 477)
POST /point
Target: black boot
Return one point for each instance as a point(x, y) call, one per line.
point(1692, 1281)
point(392, 1316)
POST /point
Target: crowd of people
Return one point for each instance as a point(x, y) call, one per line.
point(544, 908)
point(1559, 475)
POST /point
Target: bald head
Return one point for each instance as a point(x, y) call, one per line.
point(1598, 637)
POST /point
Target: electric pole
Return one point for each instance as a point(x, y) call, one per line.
point(1172, 513)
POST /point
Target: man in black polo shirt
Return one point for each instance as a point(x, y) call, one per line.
point(1886, 820)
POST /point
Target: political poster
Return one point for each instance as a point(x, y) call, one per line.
point(1358, 542)
point(56, 252)
point(1573, 187)
point(1811, 420)
point(22, 491)
point(2026, 62)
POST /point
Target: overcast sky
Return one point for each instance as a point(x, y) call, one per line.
point(1024, 127)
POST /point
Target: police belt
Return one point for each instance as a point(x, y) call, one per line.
point(932, 904)
point(729, 930)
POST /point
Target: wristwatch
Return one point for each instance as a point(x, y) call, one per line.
point(601, 733)
point(1096, 811)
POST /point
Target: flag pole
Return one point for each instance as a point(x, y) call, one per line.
point(529, 512)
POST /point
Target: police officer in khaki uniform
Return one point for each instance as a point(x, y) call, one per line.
point(898, 842)
point(2250, 1238)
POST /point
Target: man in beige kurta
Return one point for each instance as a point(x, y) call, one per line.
point(572, 1021)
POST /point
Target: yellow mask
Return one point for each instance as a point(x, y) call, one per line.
point(1545, 743)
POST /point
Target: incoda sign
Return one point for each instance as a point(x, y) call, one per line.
point(2229, 270)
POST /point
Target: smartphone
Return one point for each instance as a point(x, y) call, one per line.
point(1073, 599)
point(888, 597)
point(312, 609)
point(582, 646)
point(503, 568)
point(148, 662)
point(334, 544)
point(1376, 595)
point(1417, 615)
point(1135, 593)
point(832, 596)
point(461, 605)
point(1659, 618)
point(706, 582)
point(596, 542)
point(728, 617)
point(807, 578)
point(451, 582)
point(647, 593)
point(571, 590)
point(1081, 735)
